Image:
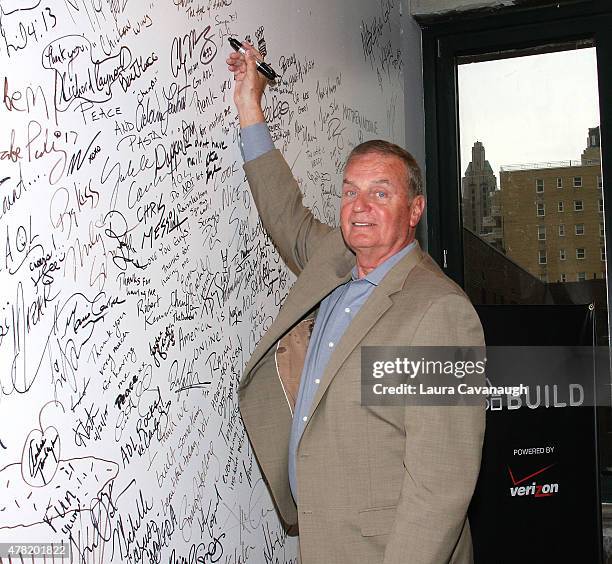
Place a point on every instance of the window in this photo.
(496, 48)
(602, 254)
(539, 185)
(599, 182)
(562, 254)
(559, 182)
(601, 230)
(580, 253)
(578, 205)
(579, 229)
(540, 209)
(541, 232)
(544, 278)
(542, 256)
(581, 276)
(560, 206)
(562, 277)
(561, 230)
(601, 205)
(577, 181)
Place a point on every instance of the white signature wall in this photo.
(135, 277)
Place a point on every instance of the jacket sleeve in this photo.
(291, 225)
(442, 452)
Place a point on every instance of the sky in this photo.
(529, 109)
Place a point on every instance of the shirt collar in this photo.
(376, 275)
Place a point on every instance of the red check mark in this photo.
(516, 482)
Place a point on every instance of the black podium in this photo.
(537, 497)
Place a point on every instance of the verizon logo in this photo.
(535, 490)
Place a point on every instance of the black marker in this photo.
(262, 67)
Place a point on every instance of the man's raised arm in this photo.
(291, 226)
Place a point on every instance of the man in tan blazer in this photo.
(364, 484)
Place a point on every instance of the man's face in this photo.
(376, 215)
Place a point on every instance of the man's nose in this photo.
(361, 202)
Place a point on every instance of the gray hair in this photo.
(378, 146)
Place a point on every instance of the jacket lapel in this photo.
(374, 308)
(314, 283)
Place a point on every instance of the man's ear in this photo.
(417, 207)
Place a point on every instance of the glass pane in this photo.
(531, 186)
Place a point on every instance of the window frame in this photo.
(506, 29)
(542, 256)
(542, 232)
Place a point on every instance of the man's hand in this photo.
(249, 87)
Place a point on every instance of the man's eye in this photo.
(349, 193)
(381, 194)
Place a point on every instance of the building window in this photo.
(559, 182)
(539, 185)
(577, 181)
(580, 253)
(542, 256)
(602, 254)
(600, 205)
(560, 206)
(540, 209)
(601, 229)
(579, 229)
(578, 205)
(562, 277)
(562, 254)
(561, 230)
(581, 276)
(599, 182)
(544, 278)
(541, 232)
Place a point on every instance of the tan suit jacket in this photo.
(375, 484)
